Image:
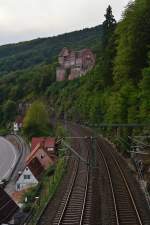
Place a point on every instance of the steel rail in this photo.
(85, 198)
(111, 185)
(126, 185)
(69, 194)
(129, 191)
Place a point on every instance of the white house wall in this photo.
(23, 183)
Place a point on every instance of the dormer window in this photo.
(42, 156)
(50, 149)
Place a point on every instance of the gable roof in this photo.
(47, 142)
(36, 168)
(32, 154)
(35, 141)
(7, 207)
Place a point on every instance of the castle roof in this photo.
(66, 51)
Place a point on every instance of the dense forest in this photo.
(115, 91)
(44, 50)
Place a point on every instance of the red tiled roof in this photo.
(36, 168)
(46, 142)
(17, 195)
(49, 143)
(7, 207)
(31, 156)
(35, 141)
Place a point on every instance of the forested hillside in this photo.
(117, 90)
(45, 50)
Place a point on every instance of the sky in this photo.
(22, 20)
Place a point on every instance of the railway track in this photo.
(124, 208)
(73, 205)
(97, 196)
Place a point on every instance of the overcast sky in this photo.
(28, 19)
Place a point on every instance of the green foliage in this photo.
(115, 91)
(133, 42)
(60, 131)
(3, 131)
(145, 95)
(45, 190)
(44, 50)
(108, 26)
(108, 47)
(9, 110)
(36, 122)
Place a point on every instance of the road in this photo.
(8, 158)
(23, 150)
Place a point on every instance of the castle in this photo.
(74, 64)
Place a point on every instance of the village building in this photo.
(74, 64)
(18, 124)
(44, 149)
(43, 154)
(48, 142)
(30, 176)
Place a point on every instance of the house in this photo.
(74, 64)
(43, 155)
(16, 127)
(7, 207)
(44, 149)
(30, 175)
(18, 124)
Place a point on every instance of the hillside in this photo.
(43, 50)
(115, 91)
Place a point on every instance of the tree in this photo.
(145, 95)
(133, 41)
(108, 26)
(108, 47)
(36, 122)
(9, 111)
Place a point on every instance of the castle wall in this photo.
(60, 74)
(75, 73)
(79, 63)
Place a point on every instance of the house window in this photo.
(42, 156)
(18, 186)
(26, 177)
(50, 149)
